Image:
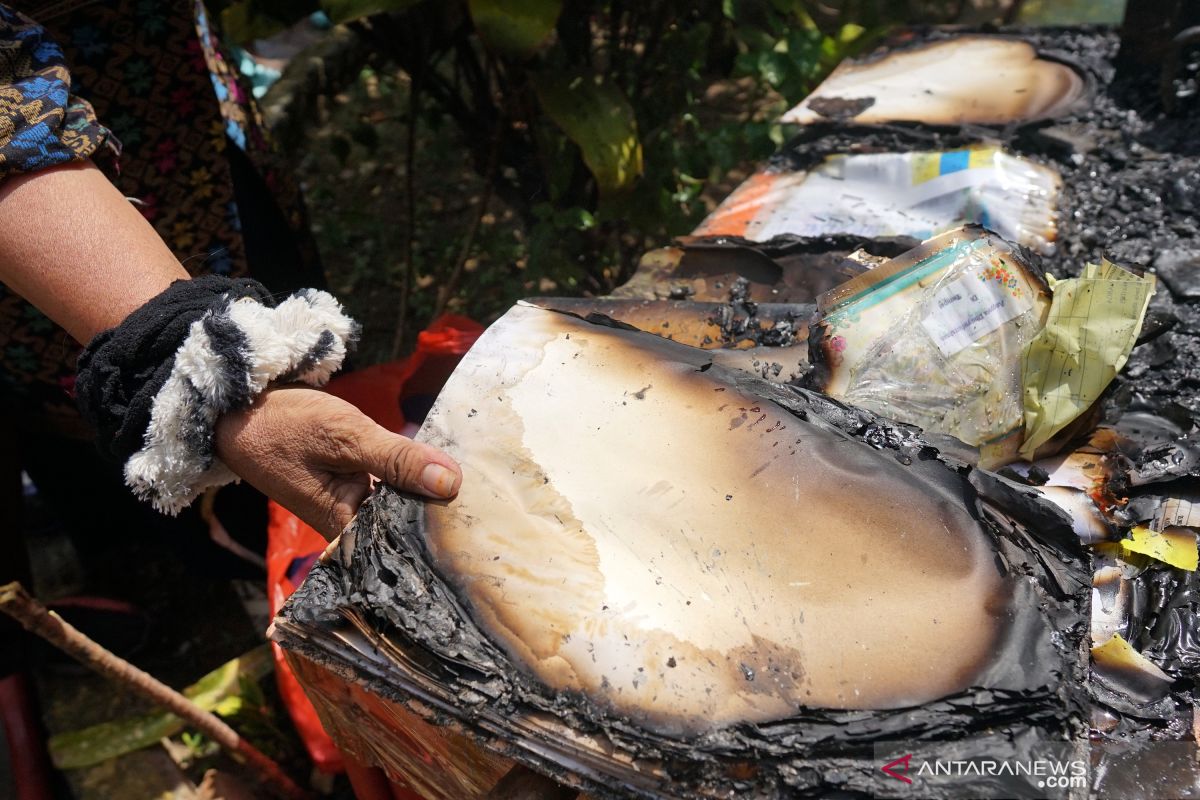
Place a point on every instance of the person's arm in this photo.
(73, 246)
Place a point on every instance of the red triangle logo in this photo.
(903, 774)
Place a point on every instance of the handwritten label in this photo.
(965, 310)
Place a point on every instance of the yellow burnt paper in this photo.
(1174, 546)
(1093, 323)
(1117, 653)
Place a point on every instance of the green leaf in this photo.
(574, 218)
(228, 707)
(340, 11)
(515, 28)
(850, 32)
(775, 68)
(88, 746)
(598, 118)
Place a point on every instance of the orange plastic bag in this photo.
(397, 395)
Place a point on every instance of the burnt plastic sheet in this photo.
(739, 323)
(766, 339)
(915, 193)
(1007, 80)
(492, 639)
(786, 269)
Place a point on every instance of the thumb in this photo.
(408, 465)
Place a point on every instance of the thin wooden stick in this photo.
(37, 619)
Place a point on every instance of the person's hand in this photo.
(315, 454)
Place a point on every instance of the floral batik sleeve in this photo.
(41, 123)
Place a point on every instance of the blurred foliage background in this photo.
(480, 151)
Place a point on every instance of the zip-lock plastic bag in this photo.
(936, 338)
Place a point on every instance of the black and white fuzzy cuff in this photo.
(229, 354)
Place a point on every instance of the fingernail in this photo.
(438, 480)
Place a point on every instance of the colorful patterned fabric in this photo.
(194, 158)
(41, 122)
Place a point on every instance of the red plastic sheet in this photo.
(292, 546)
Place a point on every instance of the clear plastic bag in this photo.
(936, 338)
